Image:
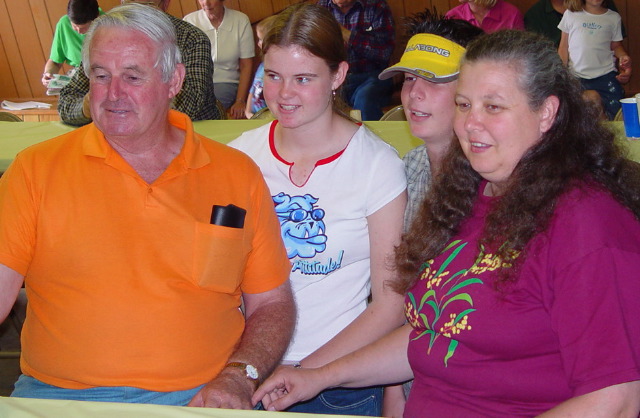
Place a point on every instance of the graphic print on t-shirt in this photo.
(301, 224)
(304, 233)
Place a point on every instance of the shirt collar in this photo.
(225, 27)
(192, 155)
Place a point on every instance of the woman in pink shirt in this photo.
(490, 15)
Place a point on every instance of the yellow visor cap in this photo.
(428, 56)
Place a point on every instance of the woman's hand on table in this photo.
(289, 385)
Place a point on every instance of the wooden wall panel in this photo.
(26, 31)
(45, 28)
(10, 42)
(186, 7)
(256, 10)
(7, 81)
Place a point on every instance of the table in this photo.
(30, 408)
(16, 136)
(37, 115)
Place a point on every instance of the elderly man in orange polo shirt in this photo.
(136, 239)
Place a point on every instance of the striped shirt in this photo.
(418, 172)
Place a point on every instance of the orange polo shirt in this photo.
(128, 283)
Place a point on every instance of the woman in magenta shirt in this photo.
(490, 15)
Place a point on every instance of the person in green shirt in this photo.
(69, 35)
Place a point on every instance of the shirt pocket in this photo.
(219, 257)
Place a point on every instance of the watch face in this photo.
(252, 372)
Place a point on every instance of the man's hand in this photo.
(270, 320)
(230, 390)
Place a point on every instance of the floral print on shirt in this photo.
(432, 314)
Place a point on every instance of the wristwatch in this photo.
(250, 371)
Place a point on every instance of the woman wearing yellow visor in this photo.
(429, 67)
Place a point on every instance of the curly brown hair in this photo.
(576, 149)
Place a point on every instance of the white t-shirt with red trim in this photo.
(324, 227)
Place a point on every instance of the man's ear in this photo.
(548, 112)
(175, 84)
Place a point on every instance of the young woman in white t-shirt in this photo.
(339, 192)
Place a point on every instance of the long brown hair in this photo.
(576, 149)
(313, 28)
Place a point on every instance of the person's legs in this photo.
(610, 91)
(340, 401)
(28, 387)
(368, 94)
(226, 93)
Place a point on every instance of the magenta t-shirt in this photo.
(570, 326)
(501, 16)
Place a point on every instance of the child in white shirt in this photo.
(591, 37)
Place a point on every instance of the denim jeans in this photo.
(340, 401)
(226, 93)
(363, 91)
(28, 387)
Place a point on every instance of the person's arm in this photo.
(10, 284)
(563, 49)
(247, 107)
(237, 109)
(73, 101)
(383, 362)
(624, 62)
(50, 68)
(385, 312)
(270, 320)
(622, 400)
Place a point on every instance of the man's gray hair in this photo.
(145, 19)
